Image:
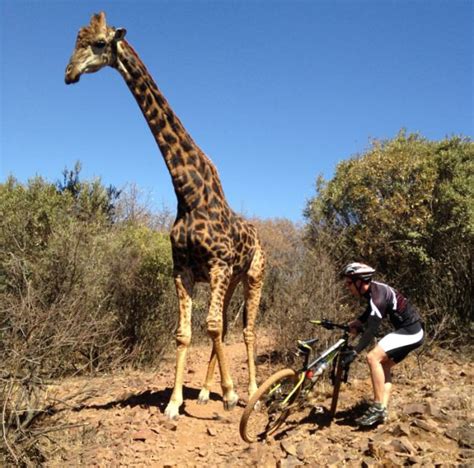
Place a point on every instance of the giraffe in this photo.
(210, 243)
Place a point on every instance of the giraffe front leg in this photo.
(184, 286)
(253, 284)
(220, 278)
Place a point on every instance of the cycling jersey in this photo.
(385, 301)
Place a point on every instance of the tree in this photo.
(91, 198)
(406, 207)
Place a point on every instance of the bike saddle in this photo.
(305, 345)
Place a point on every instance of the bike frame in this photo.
(328, 356)
(288, 389)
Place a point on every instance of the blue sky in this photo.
(275, 92)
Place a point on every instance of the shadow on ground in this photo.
(149, 399)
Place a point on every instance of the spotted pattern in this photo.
(210, 242)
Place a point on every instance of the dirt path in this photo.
(118, 420)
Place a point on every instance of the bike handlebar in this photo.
(329, 325)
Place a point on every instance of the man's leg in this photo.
(377, 359)
(381, 382)
(387, 368)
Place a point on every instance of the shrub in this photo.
(301, 283)
(80, 292)
(406, 207)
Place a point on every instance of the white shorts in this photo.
(398, 344)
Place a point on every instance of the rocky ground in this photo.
(117, 420)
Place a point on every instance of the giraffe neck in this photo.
(195, 178)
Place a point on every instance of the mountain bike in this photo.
(289, 390)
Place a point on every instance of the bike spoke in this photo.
(269, 407)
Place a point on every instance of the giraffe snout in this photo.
(71, 76)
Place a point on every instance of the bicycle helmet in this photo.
(356, 270)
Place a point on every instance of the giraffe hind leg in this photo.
(220, 280)
(206, 388)
(204, 394)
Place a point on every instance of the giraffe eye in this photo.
(99, 44)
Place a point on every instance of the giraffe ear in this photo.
(120, 34)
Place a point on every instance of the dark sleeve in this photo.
(363, 318)
(372, 326)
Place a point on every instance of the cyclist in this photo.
(382, 301)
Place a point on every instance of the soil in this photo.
(118, 420)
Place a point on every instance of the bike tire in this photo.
(263, 407)
(337, 387)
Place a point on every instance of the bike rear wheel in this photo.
(267, 409)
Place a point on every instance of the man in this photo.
(382, 301)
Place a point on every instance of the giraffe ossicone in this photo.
(210, 243)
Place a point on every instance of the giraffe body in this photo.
(210, 243)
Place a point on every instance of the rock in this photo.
(255, 451)
(424, 446)
(379, 433)
(352, 456)
(170, 425)
(428, 425)
(226, 420)
(143, 434)
(212, 432)
(392, 459)
(369, 463)
(375, 449)
(414, 408)
(288, 462)
(304, 450)
(154, 411)
(335, 459)
(361, 445)
(463, 435)
(415, 460)
(402, 445)
(401, 429)
(288, 447)
(466, 454)
(432, 409)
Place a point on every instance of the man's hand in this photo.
(355, 327)
(348, 356)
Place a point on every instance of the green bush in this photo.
(79, 291)
(301, 283)
(406, 207)
(142, 290)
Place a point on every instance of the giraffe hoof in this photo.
(229, 405)
(172, 411)
(203, 397)
(252, 390)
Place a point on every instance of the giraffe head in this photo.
(96, 47)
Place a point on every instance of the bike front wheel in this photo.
(269, 406)
(338, 370)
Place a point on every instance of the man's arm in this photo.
(372, 326)
(365, 315)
